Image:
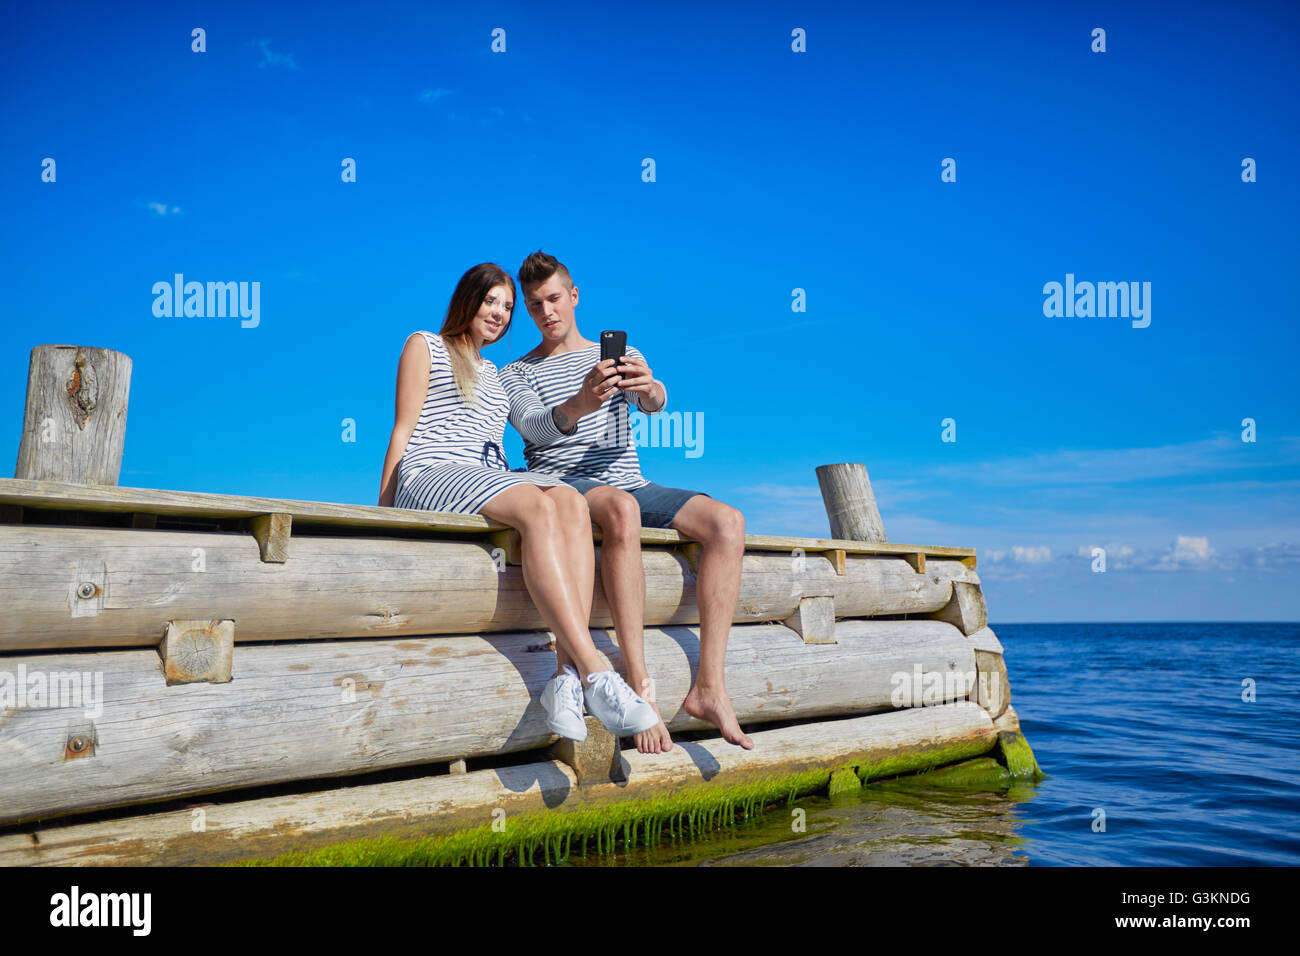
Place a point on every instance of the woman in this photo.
(445, 455)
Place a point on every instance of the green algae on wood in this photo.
(843, 780)
(918, 761)
(551, 836)
(1018, 756)
(980, 773)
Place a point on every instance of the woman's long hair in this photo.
(471, 290)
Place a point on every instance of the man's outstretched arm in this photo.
(532, 419)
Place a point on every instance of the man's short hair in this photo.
(539, 267)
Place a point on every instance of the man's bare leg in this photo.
(720, 530)
(623, 575)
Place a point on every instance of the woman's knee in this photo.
(569, 503)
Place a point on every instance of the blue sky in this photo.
(775, 170)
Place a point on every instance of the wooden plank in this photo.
(324, 709)
(75, 497)
(116, 587)
(917, 561)
(442, 804)
(271, 532)
(510, 544)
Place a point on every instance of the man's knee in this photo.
(618, 515)
(725, 525)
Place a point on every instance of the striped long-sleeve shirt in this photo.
(602, 447)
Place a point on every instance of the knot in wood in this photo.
(83, 389)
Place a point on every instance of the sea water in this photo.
(1164, 745)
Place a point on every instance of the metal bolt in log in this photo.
(80, 742)
(74, 422)
(850, 505)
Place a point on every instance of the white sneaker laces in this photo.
(616, 692)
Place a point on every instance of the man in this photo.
(566, 404)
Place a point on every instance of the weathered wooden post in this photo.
(74, 425)
(850, 505)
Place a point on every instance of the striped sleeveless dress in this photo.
(453, 460)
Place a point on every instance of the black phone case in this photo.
(612, 345)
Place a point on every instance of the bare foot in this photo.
(716, 709)
(656, 740)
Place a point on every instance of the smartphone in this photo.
(612, 345)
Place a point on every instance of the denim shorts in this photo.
(659, 505)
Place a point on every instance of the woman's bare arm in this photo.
(412, 389)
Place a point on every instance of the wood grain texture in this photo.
(441, 804)
(850, 503)
(62, 496)
(74, 421)
(117, 587)
(321, 709)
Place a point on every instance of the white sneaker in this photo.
(562, 701)
(617, 706)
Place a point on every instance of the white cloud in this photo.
(162, 209)
(430, 96)
(1031, 555)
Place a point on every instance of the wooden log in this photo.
(814, 620)
(966, 611)
(993, 689)
(443, 804)
(117, 587)
(74, 422)
(194, 651)
(322, 709)
(594, 760)
(873, 586)
(1008, 722)
(985, 640)
(850, 505)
